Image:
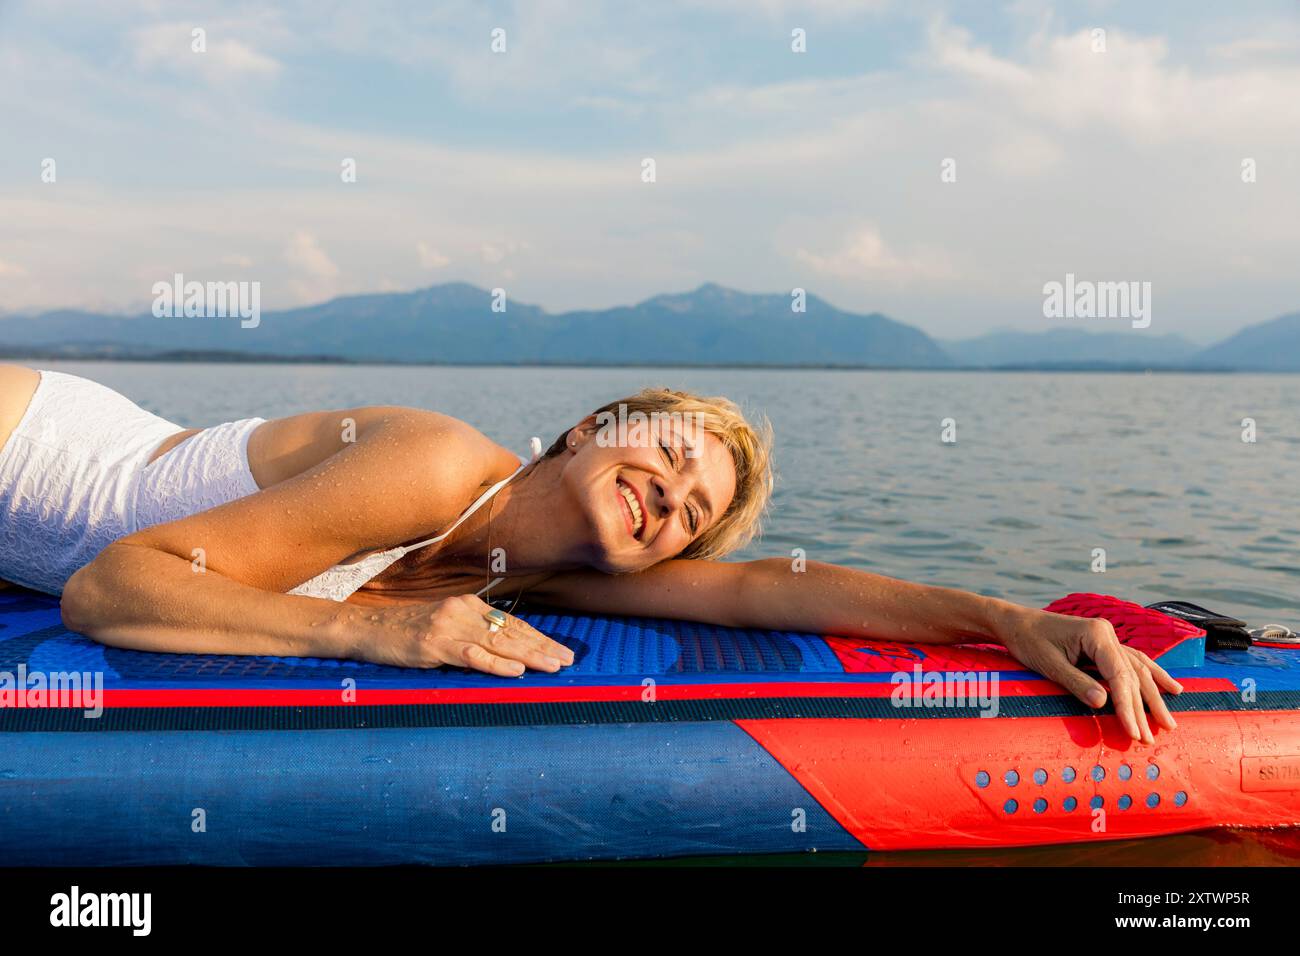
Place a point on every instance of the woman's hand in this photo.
(1053, 644)
(453, 631)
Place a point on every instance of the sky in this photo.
(774, 169)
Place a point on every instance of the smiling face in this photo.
(645, 501)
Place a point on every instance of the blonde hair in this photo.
(751, 453)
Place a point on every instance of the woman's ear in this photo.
(581, 433)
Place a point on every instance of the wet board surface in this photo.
(665, 738)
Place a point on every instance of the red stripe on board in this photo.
(318, 697)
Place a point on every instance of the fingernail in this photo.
(555, 662)
(1096, 698)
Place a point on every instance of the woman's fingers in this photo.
(480, 659)
(1139, 710)
(1101, 644)
(1059, 669)
(464, 623)
(1159, 674)
(1149, 673)
(1053, 644)
(1136, 683)
(537, 641)
(512, 642)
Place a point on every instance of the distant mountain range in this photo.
(1269, 346)
(1071, 345)
(454, 324)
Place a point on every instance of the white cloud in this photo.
(799, 8)
(864, 255)
(1131, 88)
(237, 57)
(1023, 152)
(495, 252)
(1283, 40)
(305, 255)
(431, 258)
(952, 48)
(169, 46)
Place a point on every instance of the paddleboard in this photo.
(664, 739)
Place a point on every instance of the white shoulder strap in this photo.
(534, 445)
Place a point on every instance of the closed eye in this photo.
(690, 516)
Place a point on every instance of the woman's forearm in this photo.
(828, 599)
(141, 598)
(145, 599)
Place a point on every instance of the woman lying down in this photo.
(373, 533)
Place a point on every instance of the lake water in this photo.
(1046, 467)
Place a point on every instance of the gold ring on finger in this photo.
(496, 619)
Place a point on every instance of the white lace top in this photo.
(70, 477)
(75, 476)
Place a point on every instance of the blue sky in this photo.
(774, 170)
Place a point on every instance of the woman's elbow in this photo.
(81, 605)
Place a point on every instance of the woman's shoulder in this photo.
(408, 440)
(456, 444)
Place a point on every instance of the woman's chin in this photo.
(609, 566)
(611, 562)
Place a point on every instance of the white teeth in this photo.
(638, 520)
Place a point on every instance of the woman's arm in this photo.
(213, 583)
(828, 599)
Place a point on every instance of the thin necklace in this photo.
(487, 571)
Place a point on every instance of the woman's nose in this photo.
(666, 497)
